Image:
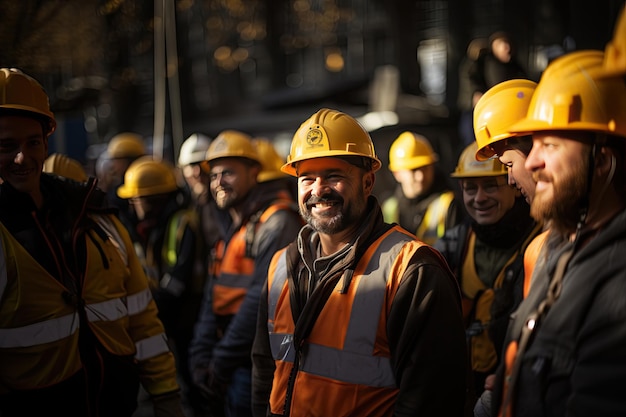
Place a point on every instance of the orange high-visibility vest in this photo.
(233, 266)
(345, 368)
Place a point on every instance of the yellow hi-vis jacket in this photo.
(345, 368)
(39, 325)
(433, 224)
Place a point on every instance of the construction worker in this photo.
(190, 163)
(358, 318)
(191, 156)
(79, 330)
(122, 150)
(566, 347)
(500, 108)
(168, 246)
(271, 164)
(64, 166)
(254, 223)
(486, 256)
(423, 202)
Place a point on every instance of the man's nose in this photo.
(319, 187)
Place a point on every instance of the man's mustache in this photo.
(326, 198)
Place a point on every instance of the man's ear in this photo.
(368, 182)
(605, 160)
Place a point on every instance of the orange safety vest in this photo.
(345, 368)
(39, 330)
(233, 265)
(531, 255)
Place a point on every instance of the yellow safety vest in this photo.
(39, 327)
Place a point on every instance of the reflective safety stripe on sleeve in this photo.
(151, 347)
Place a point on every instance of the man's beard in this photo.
(568, 199)
(231, 200)
(340, 221)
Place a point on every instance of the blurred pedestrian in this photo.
(191, 163)
(466, 99)
(254, 223)
(122, 150)
(167, 243)
(423, 202)
(78, 327)
(497, 65)
(358, 318)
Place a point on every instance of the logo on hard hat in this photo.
(314, 138)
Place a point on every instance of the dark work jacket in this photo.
(575, 364)
(224, 342)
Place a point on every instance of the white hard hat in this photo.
(193, 149)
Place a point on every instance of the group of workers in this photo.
(269, 287)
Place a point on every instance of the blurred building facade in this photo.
(263, 66)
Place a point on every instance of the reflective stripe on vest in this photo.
(39, 333)
(61, 327)
(354, 362)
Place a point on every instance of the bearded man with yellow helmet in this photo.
(253, 223)
(565, 350)
(357, 316)
(78, 326)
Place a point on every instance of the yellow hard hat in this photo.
(64, 166)
(126, 145)
(145, 177)
(193, 150)
(330, 133)
(410, 151)
(469, 167)
(271, 161)
(575, 94)
(615, 52)
(498, 109)
(19, 91)
(231, 144)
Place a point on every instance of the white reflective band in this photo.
(137, 303)
(174, 286)
(106, 311)
(151, 347)
(39, 333)
(3, 270)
